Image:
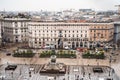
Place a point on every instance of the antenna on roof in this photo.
(118, 8)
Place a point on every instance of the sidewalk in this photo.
(36, 60)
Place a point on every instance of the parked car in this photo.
(8, 54)
(66, 47)
(31, 69)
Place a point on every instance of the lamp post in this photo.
(83, 68)
(110, 59)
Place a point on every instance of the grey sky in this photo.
(57, 5)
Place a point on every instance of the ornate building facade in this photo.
(15, 29)
(72, 35)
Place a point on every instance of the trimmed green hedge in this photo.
(94, 56)
(59, 54)
(27, 54)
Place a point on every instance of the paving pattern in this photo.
(74, 72)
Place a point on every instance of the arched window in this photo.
(85, 44)
(77, 44)
(81, 44)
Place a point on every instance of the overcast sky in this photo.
(57, 5)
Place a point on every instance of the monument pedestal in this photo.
(53, 68)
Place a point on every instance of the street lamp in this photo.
(83, 69)
(110, 60)
(20, 70)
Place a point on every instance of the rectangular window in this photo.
(77, 35)
(65, 35)
(16, 31)
(73, 35)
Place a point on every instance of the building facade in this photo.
(101, 33)
(15, 29)
(72, 35)
(59, 35)
(0, 33)
(116, 31)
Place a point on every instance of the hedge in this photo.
(28, 54)
(59, 54)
